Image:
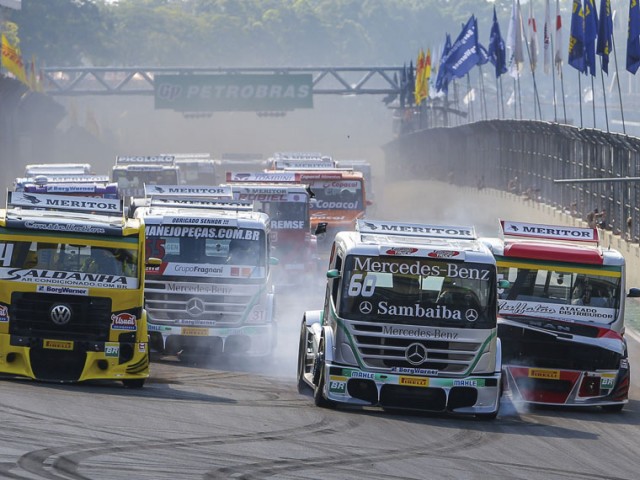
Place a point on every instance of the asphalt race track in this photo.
(247, 421)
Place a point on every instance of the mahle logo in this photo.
(169, 91)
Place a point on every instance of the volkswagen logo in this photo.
(60, 314)
(416, 354)
(195, 307)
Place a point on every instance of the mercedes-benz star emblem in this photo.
(365, 308)
(60, 314)
(471, 315)
(195, 307)
(416, 354)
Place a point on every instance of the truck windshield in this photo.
(207, 251)
(69, 264)
(337, 195)
(560, 292)
(287, 215)
(418, 291)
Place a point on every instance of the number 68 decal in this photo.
(358, 286)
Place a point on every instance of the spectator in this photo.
(592, 218)
(629, 227)
(514, 185)
(481, 183)
(601, 219)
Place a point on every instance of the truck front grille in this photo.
(380, 351)
(30, 315)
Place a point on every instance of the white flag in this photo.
(533, 38)
(514, 41)
(558, 54)
(547, 37)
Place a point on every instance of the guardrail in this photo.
(526, 158)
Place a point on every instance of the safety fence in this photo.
(526, 157)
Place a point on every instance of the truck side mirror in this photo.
(274, 261)
(634, 292)
(504, 284)
(321, 228)
(333, 274)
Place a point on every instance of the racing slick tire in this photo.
(133, 383)
(318, 392)
(303, 387)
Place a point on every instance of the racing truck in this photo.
(81, 185)
(409, 322)
(71, 290)
(293, 244)
(339, 197)
(132, 173)
(561, 317)
(212, 292)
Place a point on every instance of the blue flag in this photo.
(605, 34)
(464, 55)
(590, 34)
(497, 52)
(633, 41)
(443, 78)
(576, 40)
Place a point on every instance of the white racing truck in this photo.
(409, 322)
(211, 293)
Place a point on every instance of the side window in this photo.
(335, 282)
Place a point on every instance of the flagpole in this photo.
(593, 102)
(604, 96)
(484, 97)
(564, 103)
(615, 60)
(501, 99)
(515, 98)
(580, 98)
(553, 81)
(468, 96)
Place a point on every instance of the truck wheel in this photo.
(613, 408)
(302, 361)
(318, 393)
(133, 383)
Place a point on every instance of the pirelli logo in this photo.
(195, 332)
(544, 374)
(414, 381)
(57, 344)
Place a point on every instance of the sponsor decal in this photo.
(261, 177)
(201, 232)
(4, 313)
(62, 290)
(549, 231)
(112, 349)
(57, 344)
(416, 310)
(64, 227)
(414, 381)
(241, 272)
(325, 205)
(544, 374)
(194, 331)
(401, 251)
(443, 254)
(57, 277)
(188, 190)
(337, 384)
(287, 224)
(142, 347)
(160, 159)
(415, 371)
(123, 321)
(206, 288)
(465, 383)
(560, 312)
(102, 205)
(368, 226)
(358, 374)
(607, 381)
(70, 188)
(450, 270)
(415, 332)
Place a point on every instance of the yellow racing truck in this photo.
(71, 290)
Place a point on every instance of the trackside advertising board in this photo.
(229, 93)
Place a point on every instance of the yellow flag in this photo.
(419, 75)
(12, 60)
